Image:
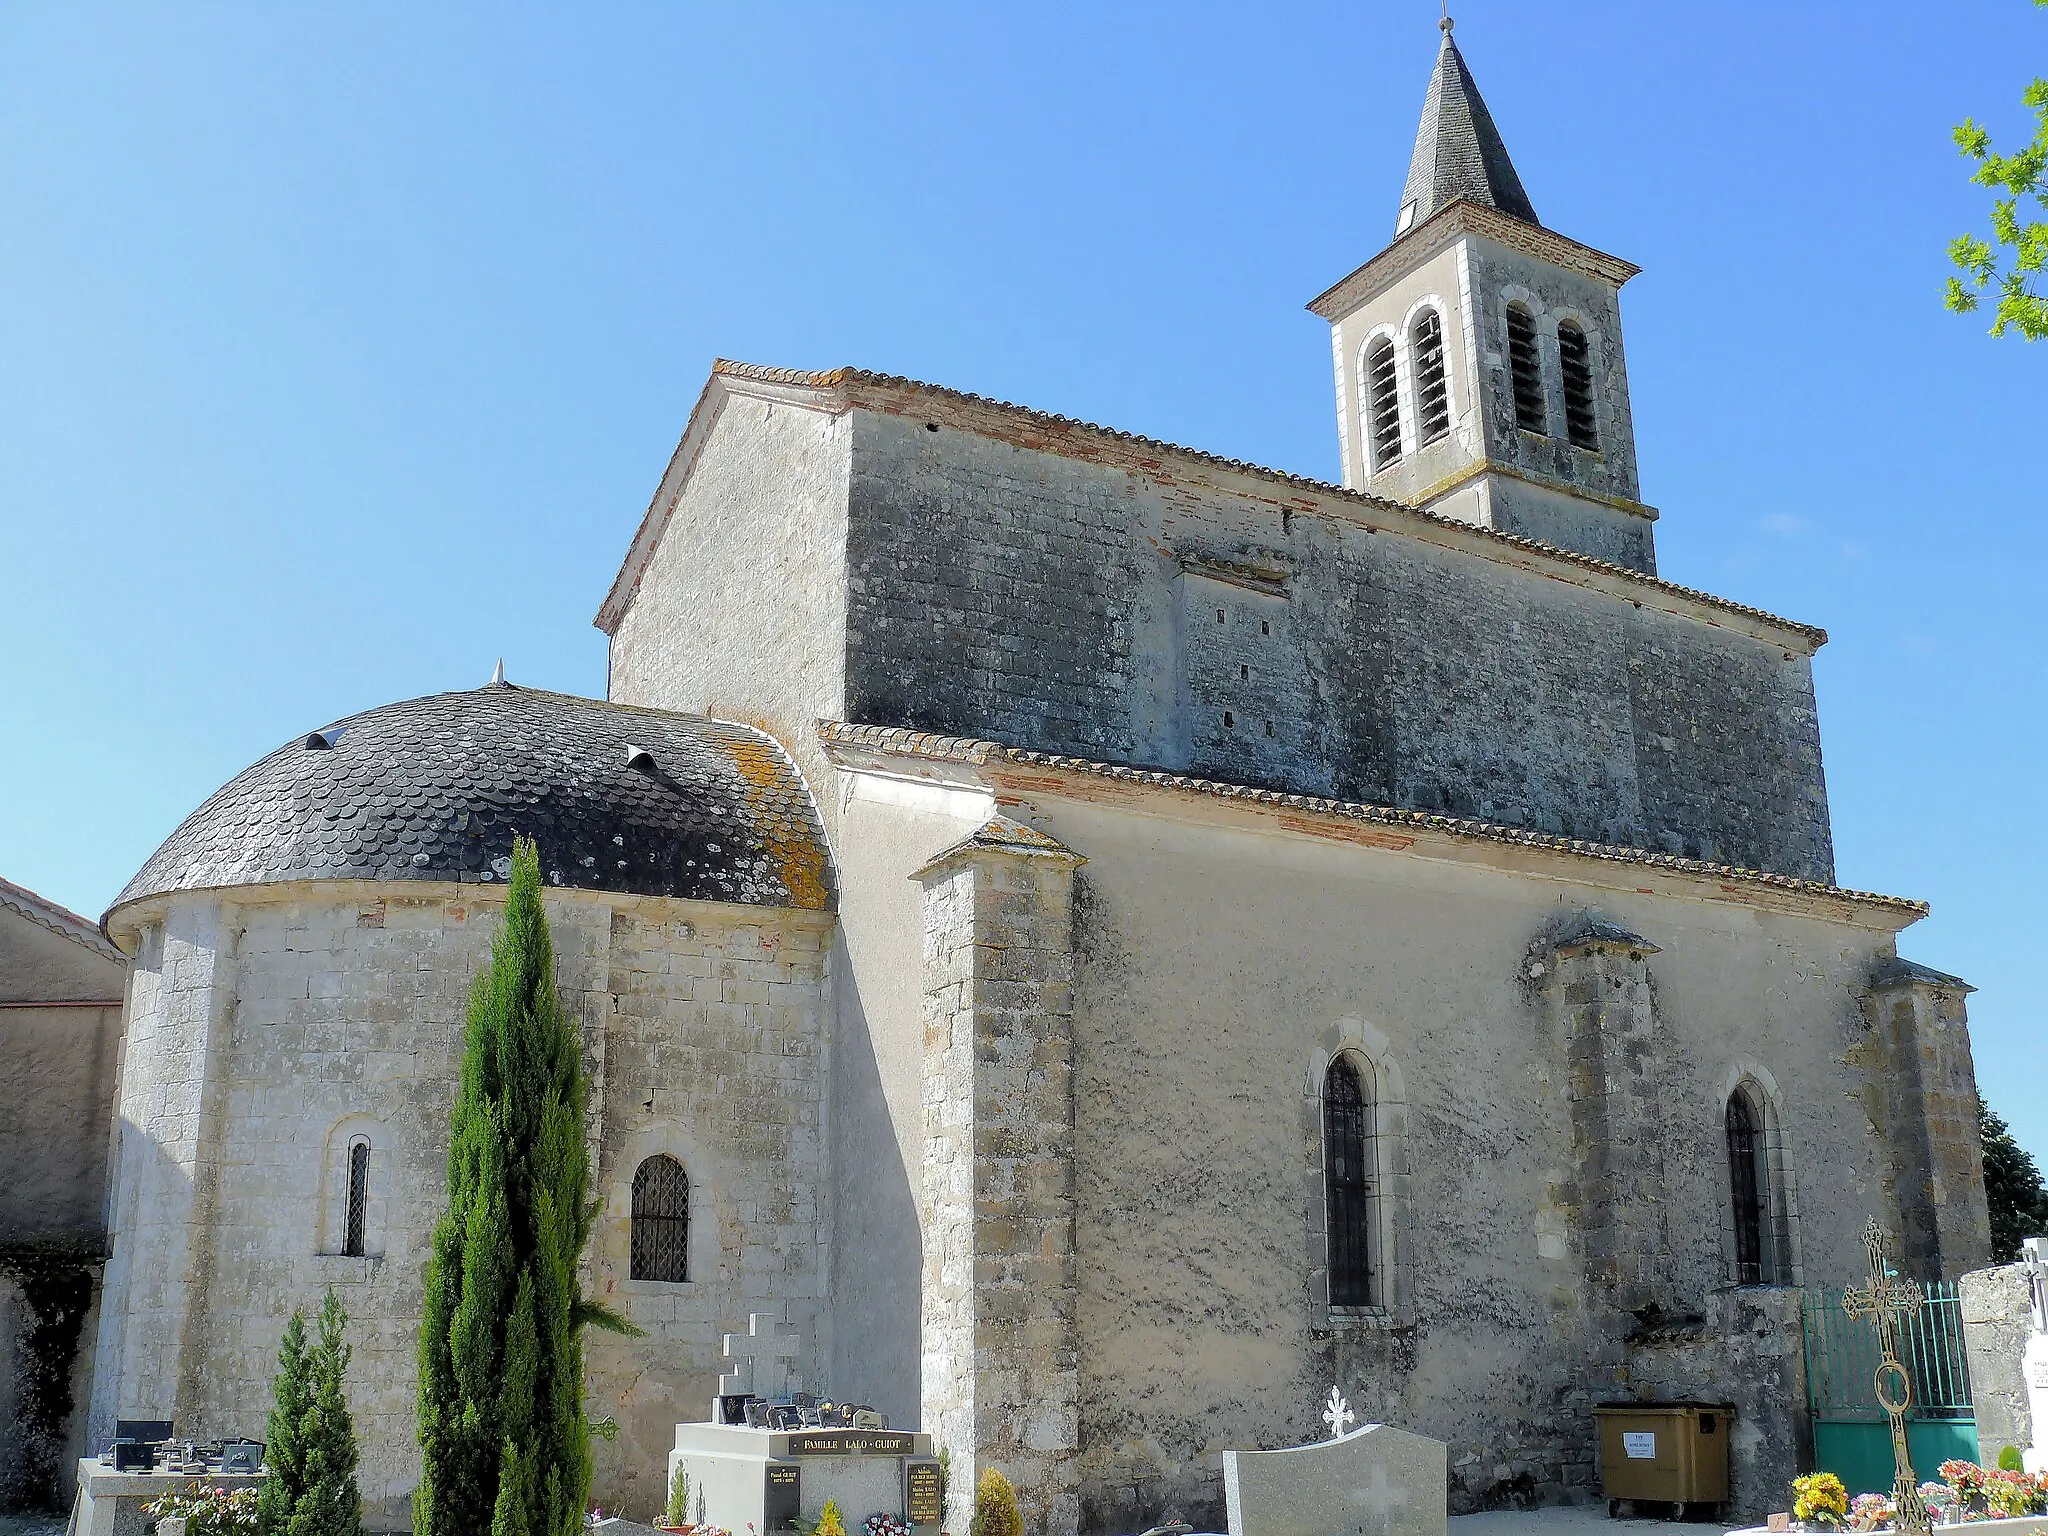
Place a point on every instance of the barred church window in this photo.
(1759, 1240)
(1432, 392)
(661, 1220)
(1575, 360)
(1525, 371)
(1383, 409)
(1350, 1185)
(358, 1209)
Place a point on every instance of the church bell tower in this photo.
(1478, 357)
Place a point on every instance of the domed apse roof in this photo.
(437, 788)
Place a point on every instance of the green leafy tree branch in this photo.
(2022, 304)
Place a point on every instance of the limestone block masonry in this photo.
(1001, 1375)
(271, 1029)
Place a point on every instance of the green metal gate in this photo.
(1851, 1436)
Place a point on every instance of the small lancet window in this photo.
(357, 1216)
(1432, 391)
(1383, 403)
(661, 1220)
(1575, 362)
(1525, 371)
(1759, 1243)
(1351, 1188)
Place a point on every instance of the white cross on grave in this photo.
(758, 1361)
(1337, 1414)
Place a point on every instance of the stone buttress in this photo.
(1001, 1377)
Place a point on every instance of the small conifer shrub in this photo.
(830, 1521)
(995, 1507)
(678, 1510)
(311, 1453)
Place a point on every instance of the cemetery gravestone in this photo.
(1375, 1481)
(765, 1478)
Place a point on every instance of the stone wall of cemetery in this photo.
(1222, 963)
(272, 1026)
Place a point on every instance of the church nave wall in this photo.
(1220, 970)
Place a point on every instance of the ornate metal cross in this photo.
(1337, 1414)
(1886, 1302)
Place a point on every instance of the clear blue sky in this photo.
(341, 347)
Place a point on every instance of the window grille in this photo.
(661, 1220)
(1348, 1177)
(358, 1200)
(1748, 1186)
(1575, 361)
(1432, 392)
(1525, 371)
(1383, 412)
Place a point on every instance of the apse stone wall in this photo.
(269, 1031)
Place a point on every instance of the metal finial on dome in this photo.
(1446, 24)
(498, 672)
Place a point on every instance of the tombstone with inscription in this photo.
(769, 1479)
(773, 1454)
(1374, 1480)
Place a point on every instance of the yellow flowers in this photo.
(1820, 1498)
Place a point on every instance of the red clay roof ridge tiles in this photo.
(839, 378)
(894, 741)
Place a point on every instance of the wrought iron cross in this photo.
(1886, 1302)
(1337, 1414)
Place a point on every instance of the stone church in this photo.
(1094, 941)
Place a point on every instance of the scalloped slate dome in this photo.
(436, 789)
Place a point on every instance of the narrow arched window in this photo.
(1749, 1184)
(1525, 371)
(1350, 1185)
(1575, 362)
(1432, 391)
(1383, 403)
(357, 1211)
(661, 1220)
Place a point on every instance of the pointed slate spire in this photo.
(1458, 151)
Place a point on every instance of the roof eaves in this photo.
(1463, 216)
(895, 742)
(62, 921)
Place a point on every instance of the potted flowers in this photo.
(1819, 1501)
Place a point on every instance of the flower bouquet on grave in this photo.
(1819, 1501)
(885, 1525)
(1872, 1512)
(208, 1511)
(1966, 1485)
(1940, 1500)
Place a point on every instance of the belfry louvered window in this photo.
(1350, 1184)
(1525, 370)
(1383, 403)
(357, 1212)
(661, 1220)
(1749, 1184)
(1575, 362)
(1432, 391)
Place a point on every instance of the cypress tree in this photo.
(330, 1503)
(282, 1453)
(504, 1445)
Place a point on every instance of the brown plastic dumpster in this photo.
(1670, 1453)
